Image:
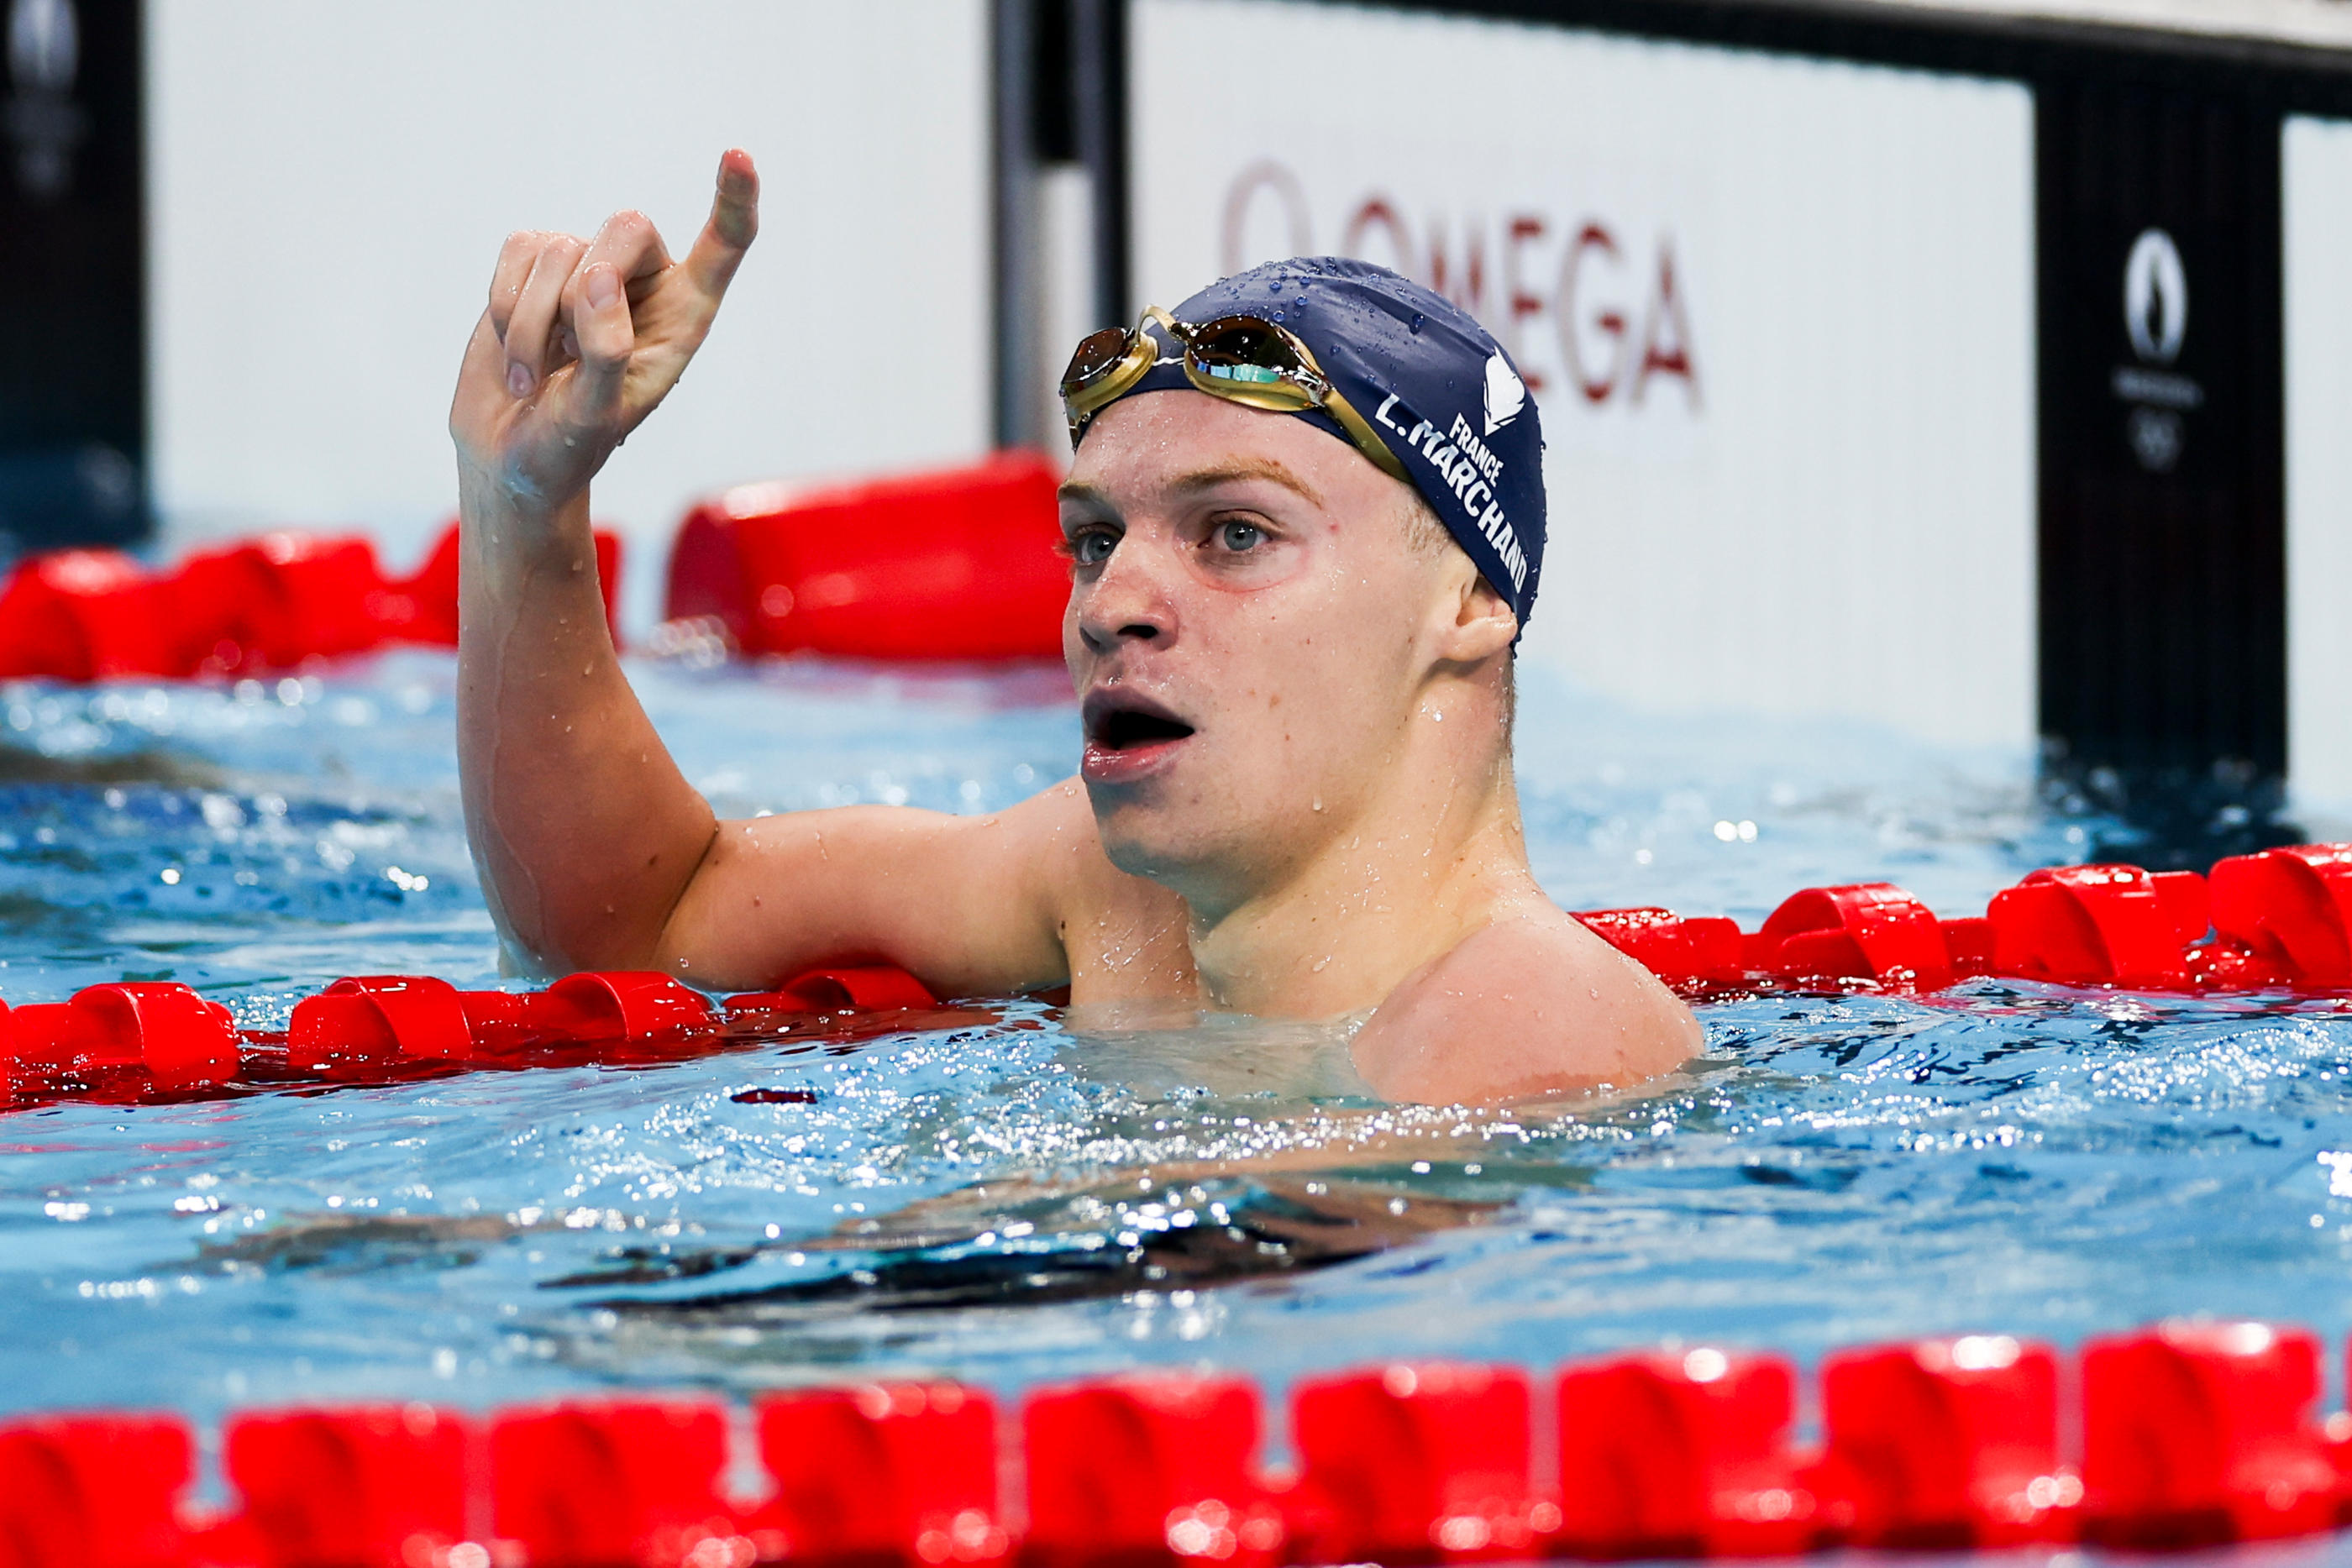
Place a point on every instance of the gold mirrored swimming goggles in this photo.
(1242, 359)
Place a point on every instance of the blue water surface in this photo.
(952, 1199)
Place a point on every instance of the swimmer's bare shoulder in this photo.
(1532, 1004)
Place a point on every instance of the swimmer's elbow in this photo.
(627, 928)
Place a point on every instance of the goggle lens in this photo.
(1242, 349)
(1096, 353)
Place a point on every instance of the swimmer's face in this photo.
(1250, 629)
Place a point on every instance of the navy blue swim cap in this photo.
(1434, 384)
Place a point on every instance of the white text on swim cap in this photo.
(1468, 469)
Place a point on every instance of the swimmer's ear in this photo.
(1481, 624)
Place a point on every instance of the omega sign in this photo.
(2155, 320)
(1578, 299)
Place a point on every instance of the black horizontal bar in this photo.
(2293, 78)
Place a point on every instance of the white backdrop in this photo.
(1781, 311)
(329, 185)
(2317, 177)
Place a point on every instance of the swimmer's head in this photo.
(1415, 377)
(1280, 647)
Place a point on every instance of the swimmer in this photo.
(1305, 521)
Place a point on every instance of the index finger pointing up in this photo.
(734, 220)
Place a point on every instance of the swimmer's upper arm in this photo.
(968, 904)
(1525, 1007)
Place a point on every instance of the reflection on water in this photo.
(1027, 1196)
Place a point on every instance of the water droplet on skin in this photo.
(1318, 802)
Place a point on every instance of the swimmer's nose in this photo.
(1125, 602)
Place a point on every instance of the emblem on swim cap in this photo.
(1504, 393)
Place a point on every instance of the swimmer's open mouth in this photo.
(1129, 739)
(1130, 723)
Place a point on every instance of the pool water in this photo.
(1009, 1198)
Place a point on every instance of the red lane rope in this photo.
(275, 602)
(2277, 921)
(2185, 1435)
(141, 1041)
(957, 563)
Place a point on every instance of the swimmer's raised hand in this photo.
(583, 339)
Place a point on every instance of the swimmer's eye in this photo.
(1240, 537)
(1090, 546)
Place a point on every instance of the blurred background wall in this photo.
(2317, 180)
(1777, 315)
(328, 186)
(1977, 367)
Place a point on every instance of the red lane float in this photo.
(855, 987)
(362, 1484)
(2291, 910)
(1872, 931)
(1682, 1454)
(627, 1482)
(165, 1031)
(85, 615)
(100, 1492)
(1416, 1463)
(883, 1474)
(1689, 954)
(2182, 1435)
(270, 604)
(2200, 1433)
(360, 1023)
(1148, 1469)
(961, 564)
(626, 1008)
(2099, 925)
(1945, 1445)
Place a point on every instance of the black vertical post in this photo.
(1013, 51)
(73, 419)
(1099, 64)
(2163, 590)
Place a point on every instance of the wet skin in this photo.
(1295, 795)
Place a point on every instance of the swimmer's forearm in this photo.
(585, 832)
